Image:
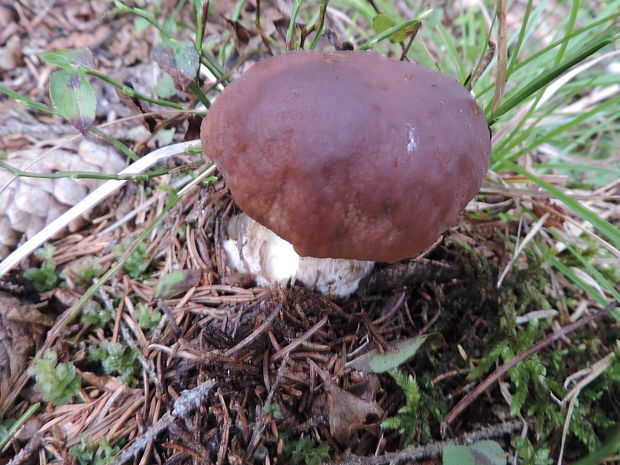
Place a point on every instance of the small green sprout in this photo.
(87, 270)
(86, 453)
(43, 278)
(273, 410)
(146, 318)
(413, 419)
(115, 358)
(137, 263)
(93, 314)
(57, 382)
(306, 451)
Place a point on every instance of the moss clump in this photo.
(482, 320)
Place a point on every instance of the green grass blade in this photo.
(569, 29)
(26, 101)
(546, 77)
(566, 271)
(559, 131)
(592, 271)
(610, 231)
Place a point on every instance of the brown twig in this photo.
(24, 455)
(254, 334)
(262, 420)
(293, 345)
(222, 452)
(500, 371)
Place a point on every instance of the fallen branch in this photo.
(189, 401)
(413, 454)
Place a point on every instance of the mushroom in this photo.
(343, 155)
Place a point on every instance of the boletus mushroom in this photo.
(343, 155)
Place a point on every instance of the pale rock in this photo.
(69, 191)
(32, 200)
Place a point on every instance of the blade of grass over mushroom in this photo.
(386, 34)
(74, 98)
(291, 25)
(502, 50)
(319, 30)
(608, 229)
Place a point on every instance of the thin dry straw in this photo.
(91, 200)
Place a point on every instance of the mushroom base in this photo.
(254, 249)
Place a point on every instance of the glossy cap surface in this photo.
(349, 154)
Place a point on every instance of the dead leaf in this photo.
(240, 34)
(349, 414)
(20, 329)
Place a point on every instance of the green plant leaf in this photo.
(375, 362)
(70, 58)
(165, 86)
(146, 318)
(406, 28)
(57, 382)
(383, 22)
(74, 98)
(479, 453)
(179, 59)
(177, 282)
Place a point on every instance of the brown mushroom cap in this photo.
(349, 154)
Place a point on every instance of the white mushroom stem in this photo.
(254, 249)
